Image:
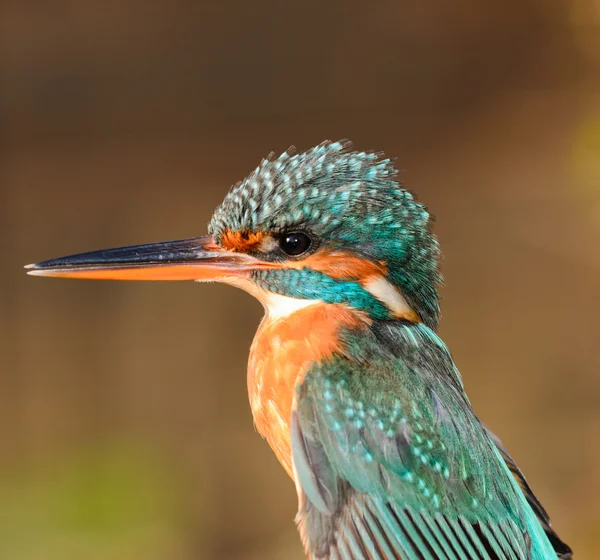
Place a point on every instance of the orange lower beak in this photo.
(189, 259)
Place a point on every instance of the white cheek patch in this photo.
(390, 296)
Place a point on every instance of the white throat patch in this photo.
(278, 306)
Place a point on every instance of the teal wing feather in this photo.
(391, 462)
(562, 550)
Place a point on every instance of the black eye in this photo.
(294, 244)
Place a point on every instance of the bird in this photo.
(349, 382)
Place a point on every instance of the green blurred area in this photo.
(125, 430)
(103, 502)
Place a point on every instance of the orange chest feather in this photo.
(282, 352)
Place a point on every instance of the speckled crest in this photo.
(316, 187)
(347, 199)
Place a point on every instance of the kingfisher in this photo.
(348, 382)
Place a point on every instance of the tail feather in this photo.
(562, 549)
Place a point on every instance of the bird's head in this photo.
(330, 224)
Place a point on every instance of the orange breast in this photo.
(282, 351)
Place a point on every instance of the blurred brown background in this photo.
(124, 425)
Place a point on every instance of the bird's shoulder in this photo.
(394, 402)
(391, 461)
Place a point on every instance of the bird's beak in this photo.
(199, 258)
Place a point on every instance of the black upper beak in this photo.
(198, 258)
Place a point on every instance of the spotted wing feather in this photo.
(392, 463)
(563, 550)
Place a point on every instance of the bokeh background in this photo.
(125, 431)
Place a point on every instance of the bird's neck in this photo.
(284, 348)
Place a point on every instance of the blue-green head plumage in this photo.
(342, 200)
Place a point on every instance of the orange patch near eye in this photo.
(338, 264)
(242, 241)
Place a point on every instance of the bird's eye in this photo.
(294, 244)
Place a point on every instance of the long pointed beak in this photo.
(188, 259)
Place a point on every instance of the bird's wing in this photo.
(391, 462)
(562, 549)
